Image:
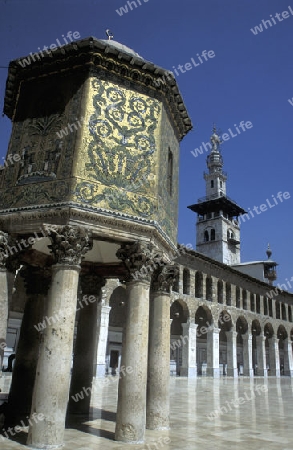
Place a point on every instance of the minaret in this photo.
(270, 266)
(217, 228)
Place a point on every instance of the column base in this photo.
(248, 373)
(262, 372)
(100, 370)
(190, 372)
(232, 372)
(213, 372)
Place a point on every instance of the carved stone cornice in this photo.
(140, 259)
(91, 283)
(163, 278)
(94, 57)
(69, 244)
(35, 216)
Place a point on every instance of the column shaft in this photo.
(288, 358)
(232, 370)
(82, 371)
(261, 356)
(3, 313)
(102, 339)
(188, 368)
(213, 369)
(53, 371)
(131, 408)
(247, 355)
(274, 357)
(157, 415)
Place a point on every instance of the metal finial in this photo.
(109, 34)
(269, 251)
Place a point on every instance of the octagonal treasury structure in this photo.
(95, 140)
(89, 191)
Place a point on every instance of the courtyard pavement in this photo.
(206, 414)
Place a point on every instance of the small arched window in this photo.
(212, 183)
(213, 234)
(206, 236)
(230, 234)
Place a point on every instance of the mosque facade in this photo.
(92, 280)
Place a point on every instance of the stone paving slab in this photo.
(261, 421)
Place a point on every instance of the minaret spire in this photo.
(270, 266)
(216, 178)
(217, 228)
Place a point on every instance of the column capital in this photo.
(140, 259)
(163, 278)
(233, 333)
(4, 241)
(189, 325)
(274, 339)
(69, 244)
(214, 330)
(91, 283)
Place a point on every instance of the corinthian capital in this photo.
(69, 244)
(140, 259)
(4, 241)
(164, 277)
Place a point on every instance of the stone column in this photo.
(33, 324)
(85, 344)
(288, 358)
(213, 369)
(232, 370)
(3, 295)
(247, 355)
(261, 355)
(224, 294)
(274, 356)
(261, 299)
(188, 368)
(204, 277)
(51, 388)
(233, 295)
(158, 408)
(131, 408)
(102, 339)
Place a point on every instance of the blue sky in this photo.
(249, 79)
